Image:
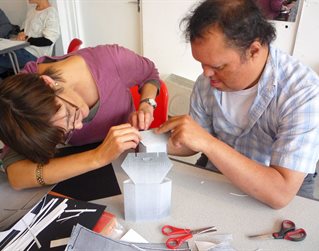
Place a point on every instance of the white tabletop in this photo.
(7, 45)
(201, 198)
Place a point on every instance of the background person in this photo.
(41, 29)
(271, 8)
(79, 98)
(6, 28)
(254, 111)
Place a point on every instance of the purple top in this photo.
(114, 69)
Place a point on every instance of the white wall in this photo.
(164, 43)
(98, 22)
(16, 10)
(108, 22)
(163, 40)
(68, 25)
(307, 38)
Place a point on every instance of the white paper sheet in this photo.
(152, 142)
(133, 236)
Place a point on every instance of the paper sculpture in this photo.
(152, 142)
(147, 194)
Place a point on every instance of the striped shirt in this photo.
(283, 121)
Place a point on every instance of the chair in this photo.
(74, 45)
(160, 113)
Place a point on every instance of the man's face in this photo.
(226, 67)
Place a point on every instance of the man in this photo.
(254, 111)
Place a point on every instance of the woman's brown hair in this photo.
(27, 105)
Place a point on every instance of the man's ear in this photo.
(254, 49)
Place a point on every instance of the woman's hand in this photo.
(21, 36)
(119, 139)
(142, 118)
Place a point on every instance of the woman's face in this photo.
(69, 117)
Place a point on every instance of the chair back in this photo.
(160, 113)
(74, 45)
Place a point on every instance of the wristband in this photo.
(149, 101)
(39, 175)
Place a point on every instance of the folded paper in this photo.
(147, 168)
(84, 239)
(152, 142)
(147, 194)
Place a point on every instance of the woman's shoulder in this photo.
(48, 12)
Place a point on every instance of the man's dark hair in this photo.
(27, 106)
(240, 20)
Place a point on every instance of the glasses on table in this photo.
(69, 134)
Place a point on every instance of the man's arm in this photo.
(275, 186)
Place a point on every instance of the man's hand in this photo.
(185, 132)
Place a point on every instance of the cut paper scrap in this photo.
(133, 236)
(239, 195)
(222, 242)
(204, 245)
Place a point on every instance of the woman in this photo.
(41, 29)
(79, 98)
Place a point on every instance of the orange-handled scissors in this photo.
(185, 234)
(287, 231)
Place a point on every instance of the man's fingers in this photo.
(169, 125)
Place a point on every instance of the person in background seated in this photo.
(6, 28)
(271, 8)
(76, 99)
(41, 29)
(254, 111)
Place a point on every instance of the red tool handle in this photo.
(176, 242)
(170, 230)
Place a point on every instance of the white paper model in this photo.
(152, 142)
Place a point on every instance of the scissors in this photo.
(185, 234)
(287, 231)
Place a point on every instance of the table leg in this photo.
(14, 62)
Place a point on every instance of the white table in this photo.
(9, 46)
(202, 198)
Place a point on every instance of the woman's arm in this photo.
(143, 117)
(23, 174)
(137, 70)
